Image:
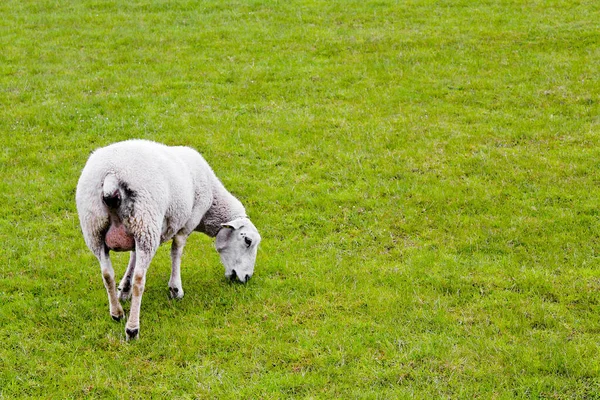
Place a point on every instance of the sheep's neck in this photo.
(225, 208)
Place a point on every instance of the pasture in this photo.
(424, 175)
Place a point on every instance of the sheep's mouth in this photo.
(234, 277)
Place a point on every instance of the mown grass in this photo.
(424, 176)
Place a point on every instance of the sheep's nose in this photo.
(233, 275)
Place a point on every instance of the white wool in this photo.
(173, 187)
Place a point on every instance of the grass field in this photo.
(424, 174)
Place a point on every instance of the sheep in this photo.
(134, 195)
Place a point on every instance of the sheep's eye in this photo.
(248, 241)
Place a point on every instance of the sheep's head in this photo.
(237, 243)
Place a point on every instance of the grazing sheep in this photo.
(135, 195)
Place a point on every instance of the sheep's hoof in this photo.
(132, 334)
(175, 293)
(117, 313)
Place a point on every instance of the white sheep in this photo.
(137, 194)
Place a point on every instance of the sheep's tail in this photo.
(111, 192)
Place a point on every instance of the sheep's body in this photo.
(136, 194)
(175, 185)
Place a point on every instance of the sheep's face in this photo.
(237, 243)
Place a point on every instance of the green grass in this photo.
(424, 175)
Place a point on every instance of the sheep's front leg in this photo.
(175, 288)
(124, 292)
(142, 262)
(108, 275)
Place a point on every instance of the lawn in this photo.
(424, 174)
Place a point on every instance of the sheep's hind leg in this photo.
(108, 275)
(142, 262)
(124, 292)
(175, 288)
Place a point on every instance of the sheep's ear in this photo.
(235, 224)
(222, 238)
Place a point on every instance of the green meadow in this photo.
(424, 175)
